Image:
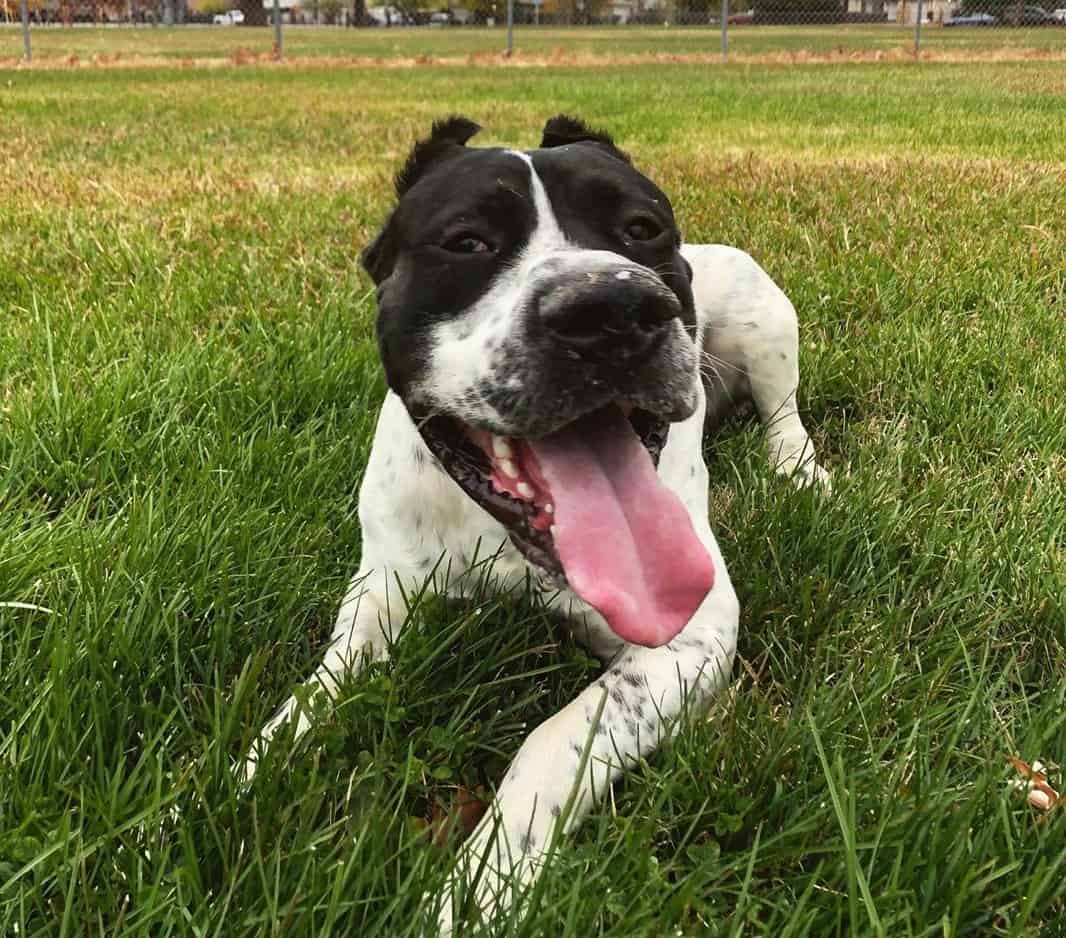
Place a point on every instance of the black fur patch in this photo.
(379, 255)
(446, 134)
(563, 129)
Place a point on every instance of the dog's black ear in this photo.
(446, 134)
(379, 256)
(563, 129)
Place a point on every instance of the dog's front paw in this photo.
(462, 900)
(489, 884)
(245, 771)
(813, 474)
(487, 903)
(805, 473)
(445, 919)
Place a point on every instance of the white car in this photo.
(232, 18)
(386, 16)
(1059, 16)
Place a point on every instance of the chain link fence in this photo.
(604, 27)
(973, 14)
(954, 13)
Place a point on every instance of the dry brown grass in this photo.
(558, 57)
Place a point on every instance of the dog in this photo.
(554, 354)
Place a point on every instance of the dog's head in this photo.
(535, 315)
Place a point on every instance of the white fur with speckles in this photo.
(412, 514)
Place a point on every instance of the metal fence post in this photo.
(27, 51)
(918, 30)
(510, 27)
(725, 29)
(277, 30)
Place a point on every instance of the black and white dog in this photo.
(553, 353)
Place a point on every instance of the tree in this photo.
(254, 12)
(407, 7)
(483, 9)
(574, 11)
(11, 10)
(698, 11)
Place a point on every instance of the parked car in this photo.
(1031, 16)
(972, 19)
(742, 19)
(1059, 16)
(230, 18)
(387, 16)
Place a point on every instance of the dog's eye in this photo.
(467, 243)
(643, 229)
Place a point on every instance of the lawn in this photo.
(54, 44)
(188, 386)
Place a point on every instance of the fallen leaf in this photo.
(458, 816)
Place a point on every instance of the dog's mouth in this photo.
(586, 506)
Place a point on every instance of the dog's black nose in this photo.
(606, 318)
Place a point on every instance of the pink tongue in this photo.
(626, 543)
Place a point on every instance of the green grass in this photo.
(188, 385)
(205, 42)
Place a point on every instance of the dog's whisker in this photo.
(710, 360)
(423, 421)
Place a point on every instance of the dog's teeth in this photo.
(501, 449)
(549, 509)
(525, 489)
(509, 469)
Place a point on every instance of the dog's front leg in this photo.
(369, 618)
(567, 763)
(399, 552)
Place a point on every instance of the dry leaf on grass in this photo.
(1034, 783)
(454, 813)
